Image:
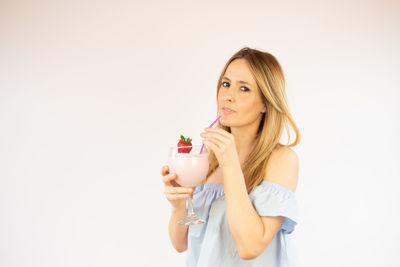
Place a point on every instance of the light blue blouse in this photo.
(211, 244)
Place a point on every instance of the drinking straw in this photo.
(210, 126)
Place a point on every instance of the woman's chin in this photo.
(225, 122)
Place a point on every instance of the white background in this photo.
(92, 93)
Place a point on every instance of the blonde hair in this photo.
(270, 81)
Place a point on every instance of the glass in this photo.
(191, 169)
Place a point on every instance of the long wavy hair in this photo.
(270, 81)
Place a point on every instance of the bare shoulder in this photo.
(283, 168)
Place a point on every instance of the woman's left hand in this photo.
(222, 144)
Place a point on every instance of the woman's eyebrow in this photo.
(242, 82)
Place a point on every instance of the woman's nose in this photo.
(228, 95)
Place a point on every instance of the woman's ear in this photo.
(264, 109)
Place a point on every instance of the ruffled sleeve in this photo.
(272, 199)
(205, 194)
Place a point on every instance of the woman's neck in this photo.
(244, 140)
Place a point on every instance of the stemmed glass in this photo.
(191, 169)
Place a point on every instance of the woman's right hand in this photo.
(174, 193)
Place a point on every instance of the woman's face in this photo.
(239, 92)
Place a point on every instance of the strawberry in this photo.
(184, 145)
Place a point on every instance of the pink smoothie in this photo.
(191, 169)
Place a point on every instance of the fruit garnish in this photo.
(184, 145)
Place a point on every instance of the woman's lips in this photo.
(227, 110)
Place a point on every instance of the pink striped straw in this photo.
(210, 126)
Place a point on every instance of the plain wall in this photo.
(92, 93)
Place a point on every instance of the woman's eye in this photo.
(226, 84)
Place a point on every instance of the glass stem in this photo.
(191, 213)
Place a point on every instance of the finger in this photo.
(211, 146)
(176, 197)
(218, 137)
(165, 170)
(175, 184)
(217, 144)
(218, 131)
(177, 190)
(169, 177)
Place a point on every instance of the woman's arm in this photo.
(252, 233)
(178, 233)
(177, 196)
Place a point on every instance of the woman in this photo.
(248, 196)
